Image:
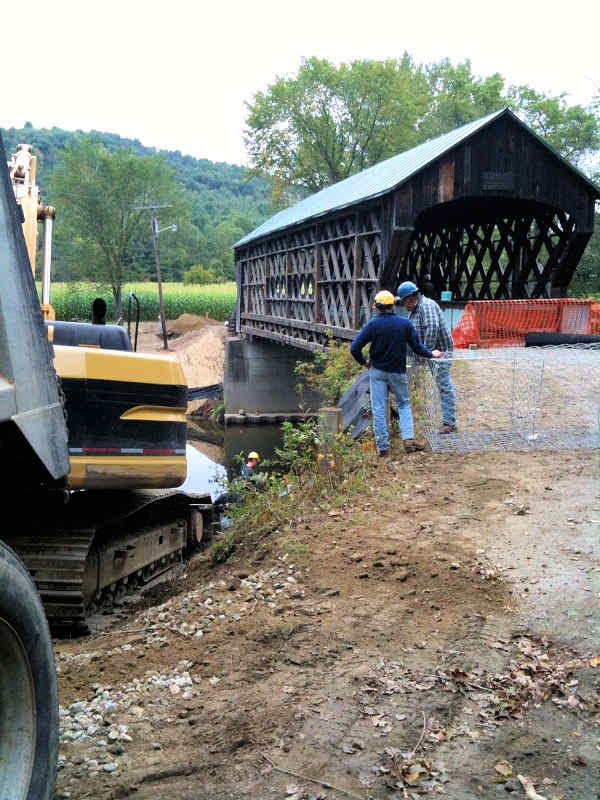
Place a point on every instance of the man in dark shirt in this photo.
(388, 335)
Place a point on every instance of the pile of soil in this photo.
(198, 346)
(190, 322)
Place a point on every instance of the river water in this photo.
(211, 453)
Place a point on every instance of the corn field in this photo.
(73, 301)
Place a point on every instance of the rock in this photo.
(363, 575)
(111, 767)
(356, 557)
(401, 575)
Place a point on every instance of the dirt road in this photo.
(440, 636)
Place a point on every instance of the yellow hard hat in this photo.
(384, 298)
(253, 455)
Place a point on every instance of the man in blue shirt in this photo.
(388, 336)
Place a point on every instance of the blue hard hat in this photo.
(405, 289)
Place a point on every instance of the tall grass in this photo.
(73, 301)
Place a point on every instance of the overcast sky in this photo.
(176, 74)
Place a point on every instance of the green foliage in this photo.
(586, 281)
(458, 96)
(327, 122)
(330, 373)
(100, 198)
(200, 274)
(313, 470)
(298, 448)
(223, 547)
(572, 130)
(73, 301)
(226, 202)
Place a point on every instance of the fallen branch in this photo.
(309, 778)
(412, 755)
(529, 788)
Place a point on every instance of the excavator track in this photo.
(126, 540)
(57, 564)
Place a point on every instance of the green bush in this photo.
(331, 372)
(200, 274)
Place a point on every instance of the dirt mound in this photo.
(190, 322)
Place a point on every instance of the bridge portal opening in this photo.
(490, 248)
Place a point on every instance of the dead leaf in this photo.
(579, 761)
(414, 774)
(504, 768)
(595, 662)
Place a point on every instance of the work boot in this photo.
(412, 446)
(447, 428)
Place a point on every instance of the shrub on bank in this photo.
(313, 470)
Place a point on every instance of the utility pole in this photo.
(155, 232)
(161, 302)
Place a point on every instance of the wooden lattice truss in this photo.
(312, 283)
(514, 255)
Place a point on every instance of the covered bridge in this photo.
(488, 211)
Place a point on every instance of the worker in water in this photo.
(431, 327)
(249, 472)
(250, 468)
(388, 335)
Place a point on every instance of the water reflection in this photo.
(204, 476)
(211, 452)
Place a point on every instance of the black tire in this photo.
(28, 692)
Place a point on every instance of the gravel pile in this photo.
(95, 732)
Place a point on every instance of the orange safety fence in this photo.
(595, 319)
(505, 323)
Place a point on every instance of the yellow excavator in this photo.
(92, 438)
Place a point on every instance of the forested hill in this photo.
(226, 201)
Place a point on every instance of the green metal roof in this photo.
(383, 177)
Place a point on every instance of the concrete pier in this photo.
(260, 381)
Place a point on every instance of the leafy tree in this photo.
(586, 280)
(573, 130)
(200, 274)
(329, 122)
(99, 196)
(457, 96)
(218, 193)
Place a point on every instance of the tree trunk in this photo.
(116, 290)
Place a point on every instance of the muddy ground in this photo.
(437, 636)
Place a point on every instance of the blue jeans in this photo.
(441, 373)
(380, 383)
